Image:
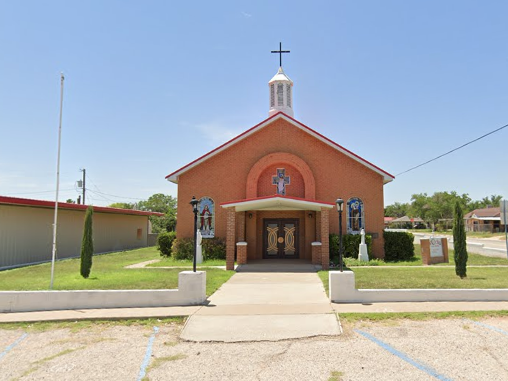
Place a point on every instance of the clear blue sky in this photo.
(152, 85)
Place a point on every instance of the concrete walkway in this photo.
(265, 306)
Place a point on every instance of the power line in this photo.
(48, 191)
(112, 195)
(101, 196)
(455, 149)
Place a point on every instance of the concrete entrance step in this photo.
(279, 266)
(259, 328)
(265, 309)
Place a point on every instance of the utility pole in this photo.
(84, 184)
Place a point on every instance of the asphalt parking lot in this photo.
(449, 349)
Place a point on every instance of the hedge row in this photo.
(183, 248)
(350, 245)
(399, 246)
(165, 242)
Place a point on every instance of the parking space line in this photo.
(427, 369)
(148, 354)
(8, 348)
(491, 327)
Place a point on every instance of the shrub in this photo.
(183, 248)
(164, 243)
(214, 248)
(459, 242)
(87, 244)
(350, 245)
(398, 246)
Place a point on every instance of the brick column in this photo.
(240, 217)
(325, 244)
(318, 226)
(230, 239)
(241, 253)
(316, 253)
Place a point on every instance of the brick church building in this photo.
(271, 191)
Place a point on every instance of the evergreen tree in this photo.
(459, 242)
(87, 244)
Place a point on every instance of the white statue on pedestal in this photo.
(363, 254)
(199, 249)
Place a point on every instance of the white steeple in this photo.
(281, 94)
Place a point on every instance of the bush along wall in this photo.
(183, 248)
(213, 248)
(399, 246)
(165, 242)
(350, 245)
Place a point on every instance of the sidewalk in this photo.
(265, 306)
(97, 314)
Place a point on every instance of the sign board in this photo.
(434, 250)
(504, 211)
(436, 247)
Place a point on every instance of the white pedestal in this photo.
(363, 254)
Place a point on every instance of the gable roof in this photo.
(4, 200)
(173, 177)
(484, 213)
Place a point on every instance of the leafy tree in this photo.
(122, 205)
(436, 207)
(70, 201)
(485, 202)
(397, 210)
(459, 242)
(161, 203)
(87, 244)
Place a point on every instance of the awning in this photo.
(277, 203)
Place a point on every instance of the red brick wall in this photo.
(223, 177)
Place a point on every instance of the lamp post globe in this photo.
(194, 204)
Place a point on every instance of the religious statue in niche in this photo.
(281, 181)
(206, 217)
(355, 216)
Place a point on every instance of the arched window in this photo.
(288, 92)
(355, 216)
(272, 95)
(206, 217)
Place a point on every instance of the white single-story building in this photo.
(26, 230)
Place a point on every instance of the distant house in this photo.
(26, 230)
(406, 222)
(388, 221)
(484, 220)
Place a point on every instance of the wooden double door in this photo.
(280, 238)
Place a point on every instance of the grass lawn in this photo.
(170, 262)
(426, 277)
(108, 273)
(473, 259)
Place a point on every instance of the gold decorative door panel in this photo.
(280, 238)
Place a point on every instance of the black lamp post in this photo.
(340, 206)
(194, 204)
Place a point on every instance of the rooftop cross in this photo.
(280, 51)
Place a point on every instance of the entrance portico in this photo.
(277, 227)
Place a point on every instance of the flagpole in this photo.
(57, 183)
